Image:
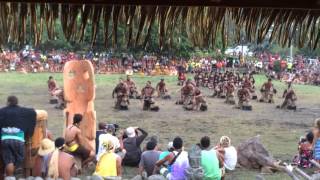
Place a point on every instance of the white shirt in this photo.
(230, 158)
(25, 53)
(106, 137)
(179, 166)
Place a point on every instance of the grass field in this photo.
(279, 130)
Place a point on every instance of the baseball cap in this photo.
(130, 131)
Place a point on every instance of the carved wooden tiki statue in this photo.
(79, 92)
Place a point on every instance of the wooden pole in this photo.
(302, 173)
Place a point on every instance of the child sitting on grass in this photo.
(305, 151)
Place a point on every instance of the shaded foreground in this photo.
(279, 130)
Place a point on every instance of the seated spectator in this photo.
(132, 146)
(305, 151)
(210, 160)
(178, 160)
(76, 143)
(40, 168)
(101, 130)
(230, 153)
(166, 153)
(149, 158)
(109, 163)
(109, 136)
(61, 164)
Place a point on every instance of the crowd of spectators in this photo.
(297, 70)
(115, 149)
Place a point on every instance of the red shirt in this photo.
(283, 64)
(219, 65)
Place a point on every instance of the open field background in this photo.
(279, 130)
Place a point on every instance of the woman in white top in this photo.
(230, 155)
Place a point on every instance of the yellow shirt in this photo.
(107, 165)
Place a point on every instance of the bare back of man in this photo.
(76, 144)
(71, 135)
(67, 168)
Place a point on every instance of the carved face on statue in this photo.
(78, 83)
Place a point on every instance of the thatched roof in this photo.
(202, 23)
(282, 4)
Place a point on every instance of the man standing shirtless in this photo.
(76, 143)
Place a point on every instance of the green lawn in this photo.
(279, 130)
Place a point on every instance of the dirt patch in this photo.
(294, 125)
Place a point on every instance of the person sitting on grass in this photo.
(131, 144)
(244, 97)
(210, 160)
(75, 141)
(61, 164)
(149, 158)
(52, 84)
(40, 168)
(161, 88)
(178, 160)
(110, 136)
(229, 154)
(109, 163)
(101, 130)
(305, 151)
(166, 153)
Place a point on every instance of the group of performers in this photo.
(309, 76)
(191, 97)
(226, 85)
(127, 89)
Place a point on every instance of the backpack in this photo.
(134, 153)
(195, 171)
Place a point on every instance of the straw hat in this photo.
(46, 147)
